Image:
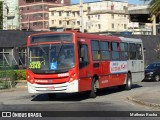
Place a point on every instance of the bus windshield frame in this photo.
(51, 55)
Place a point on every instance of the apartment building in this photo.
(101, 16)
(34, 13)
(10, 15)
(67, 17)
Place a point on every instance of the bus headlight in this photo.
(72, 78)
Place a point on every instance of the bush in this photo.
(20, 74)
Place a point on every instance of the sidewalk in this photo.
(149, 98)
(21, 85)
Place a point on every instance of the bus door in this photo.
(84, 68)
(136, 61)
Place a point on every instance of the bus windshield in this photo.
(51, 58)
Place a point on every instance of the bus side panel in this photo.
(107, 79)
(84, 84)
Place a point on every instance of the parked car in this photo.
(152, 72)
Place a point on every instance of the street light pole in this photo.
(81, 16)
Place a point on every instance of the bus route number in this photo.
(35, 65)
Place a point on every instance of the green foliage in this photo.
(20, 74)
(155, 7)
(1, 14)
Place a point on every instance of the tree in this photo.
(155, 7)
(1, 14)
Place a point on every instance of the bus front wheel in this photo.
(52, 95)
(93, 91)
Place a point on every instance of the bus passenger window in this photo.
(104, 49)
(95, 50)
(139, 51)
(115, 52)
(83, 61)
(132, 51)
(124, 51)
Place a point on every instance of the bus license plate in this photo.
(50, 88)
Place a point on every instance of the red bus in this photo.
(70, 61)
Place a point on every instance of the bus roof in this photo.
(130, 40)
(83, 35)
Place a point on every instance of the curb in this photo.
(8, 90)
(21, 86)
(143, 102)
(21, 81)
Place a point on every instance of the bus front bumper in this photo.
(67, 87)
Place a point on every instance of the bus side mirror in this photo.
(82, 53)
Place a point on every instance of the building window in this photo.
(113, 26)
(60, 22)
(78, 13)
(112, 16)
(73, 13)
(78, 22)
(52, 21)
(125, 26)
(99, 26)
(67, 13)
(60, 13)
(52, 13)
(99, 17)
(67, 22)
(27, 8)
(88, 17)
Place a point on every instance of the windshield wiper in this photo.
(59, 50)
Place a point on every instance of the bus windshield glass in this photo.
(51, 38)
(51, 58)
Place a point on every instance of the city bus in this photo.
(72, 62)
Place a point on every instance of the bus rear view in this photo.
(51, 63)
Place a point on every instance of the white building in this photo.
(10, 15)
(101, 16)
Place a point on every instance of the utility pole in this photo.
(5, 13)
(81, 16)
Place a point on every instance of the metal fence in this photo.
(6, 75)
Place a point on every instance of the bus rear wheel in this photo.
(128, 85)
(93, 91)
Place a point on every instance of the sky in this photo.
(129, 1)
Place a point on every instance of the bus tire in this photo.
(52, 95)
(128, 85)
(93, 91)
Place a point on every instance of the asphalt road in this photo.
(110, 99)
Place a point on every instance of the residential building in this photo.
(10, 15)
(108, 16)
(34, 13)
(67, 17)
(101, 16)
